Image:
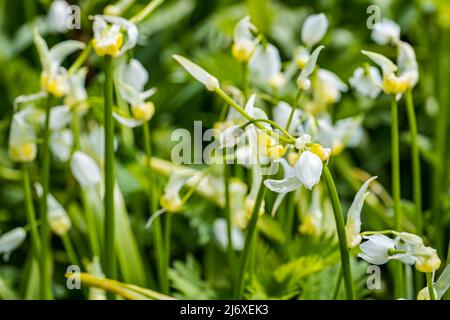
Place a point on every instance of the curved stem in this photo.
(148, 9)
(395, 162)
(157, 228)
(46, 290)
(417, 184)
(249, 239)
(108, 264)
(430, 286)
(340, 228)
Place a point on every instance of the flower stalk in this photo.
(340, 228)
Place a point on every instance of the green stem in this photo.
(68, 246)
(249, 238)
(109, 224)
(241, 111)
(340, 228)
(31, 216)
(337, 287)
(227, 212)
(245, 79)
(80, 60)
(417, 184)
(149, 8)
(430, 286)
(395, 154)
(156, 227)
(294, 107)
(46, 290)
(167, 232)
(91, 223)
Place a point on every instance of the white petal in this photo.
(284, 185)
(266, 62)
(314, 28)
(332, 80)
(42, 49)
(230, 137)
(11, 240)
(60, 116)
(198, 73)
(85, 170)
(311, 64)
(58, 14)
(367, 85)
(61, 50)
(130, 28)
(220, 233)
(127, 122)
(243, 30)
(308, 169)
(384, 63)
(385, 32)
(61, 143)
(133, 74)
(281, 114)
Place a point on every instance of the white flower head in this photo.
(58, 15)
(244, 42)
(385, 32)
(302, 141)
(54, 77)
(353, 225)
(171, 200)
(314, 29)
(266, 65)
(210, 82)
(376, 249)
(281, 114)
(220, 233)
(61, 143)
(10, 241)
(109, 38)
(85, 170)
(407, 63)
(330, 86)
(60, 116)
(367, 82)
(21, 145)
(303, 81)
(308, 169)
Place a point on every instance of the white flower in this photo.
(427, 259)
(303, 81)
(330, 86)
(58, 15)
(230, 136)
(54, 77)
(367, 83)
(314, 28)
(10, 241)
(345, 132)
(302, 140)
(376, 249)
(353, 225)
(171, 200)
(308, 169)
(210, 82)
(281, 113)
(386, 31)
(21, 145)
(108, 35)
(60, 116)
(244, 41)
(61, 143)
(220, 233)
(57, 218)
(266, 65)
(85, 170)
(407, 63)
(77, 95)
(301, 57)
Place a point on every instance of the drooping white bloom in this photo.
(60, 116)
(367, 83)
(303, 81)
(54, 79)
(85, 170)
(281, 113)
(353, 225)
(171, 200)
(77, 96)
(314, 29)
(61, 143)
(58, 15)
(210, 82)
(308, 169)
(220, 233)
(330, 86)
(301, 56)
(266, 65)
(10, 241)
(57, 218)
(386, 31)
(21, 145)
(108, 35)
(244, 42)
(407, 63)
(376, 249)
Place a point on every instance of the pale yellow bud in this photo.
(293, 158)
(277, 81)
(54, 84)
(424, 294)
(242, 52)
(143, 111)
(60, 225)
(171, 202)
(427, 260)
(395, 85)
(321, 152)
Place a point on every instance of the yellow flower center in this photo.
(242, 52)
(321, 152)
(395, 85)
(269, 146)
(60, 225)
(143, 111)
(108, 45)
(172, 203)
(428, 264)
(54, 84)
(25, 152)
